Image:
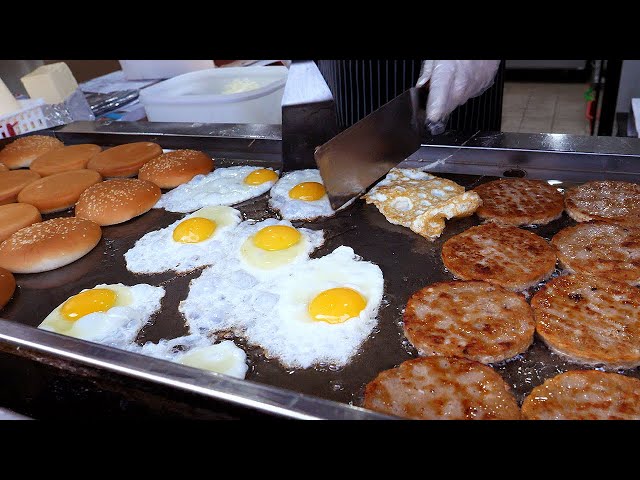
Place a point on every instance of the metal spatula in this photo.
(356, 158)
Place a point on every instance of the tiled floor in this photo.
(544, 108)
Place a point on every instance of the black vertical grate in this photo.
(361, 86)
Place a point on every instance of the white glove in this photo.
(452, 83)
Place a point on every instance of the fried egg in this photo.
(197, 240)
(318, 311)
(420, 201)
(108, 314)
(223, 186)
(300, 195)
(272, 244)
(197, 351)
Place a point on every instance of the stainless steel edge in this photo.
(544, 156)
(219, 130)
(27, 340)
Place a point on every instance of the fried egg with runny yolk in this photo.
(258, 177)
(223, 186)
(108, 314)
(300, 195)
(199, 239)
(316, 311)
(273, 244)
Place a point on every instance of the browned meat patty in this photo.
(591, 320)
(442, 388)
(516, 201)
(504, 255)
(607, 200)
(475, 320)
(602, 249)
(584, 395)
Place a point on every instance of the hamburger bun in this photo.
(11, 183)
(175, 168)
(124, 160)
(15, 216)
(116, 201)
(7, 286)
(49, 245)
(21, 152)
(60, 191)
(3, 168)
(64, 159)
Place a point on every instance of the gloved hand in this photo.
(452, 83)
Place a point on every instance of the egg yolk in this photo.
(194, 230)
(91, 301)
(336, 305)
(258, 177)
(307, 191)
(276, 237)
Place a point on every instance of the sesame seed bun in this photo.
(3, 167)
(175, 168)
(7, 286)
(21, 152)
(64, 159)
(116, 201)
(15, 216)
(49, 245)
(124, 160)
(60, 191)
(11, 183)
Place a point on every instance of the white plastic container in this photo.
(155, 69)
(199, 97)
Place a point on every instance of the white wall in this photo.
(629, 85)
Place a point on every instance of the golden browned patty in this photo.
(445, 388)
(603, 249)
(516, 201)
(590, 319)
(607, 200)
(584, 395)
(504, 255)
(475, 320)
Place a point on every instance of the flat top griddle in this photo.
(408, 262)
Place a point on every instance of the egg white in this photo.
(223, 186)
(158, 252)
(295, 209)
(118, 326)
(271, 312)
(197, 351)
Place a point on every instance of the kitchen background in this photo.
(582, 97)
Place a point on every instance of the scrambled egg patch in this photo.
(420, 201)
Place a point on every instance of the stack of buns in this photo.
(39, 175)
